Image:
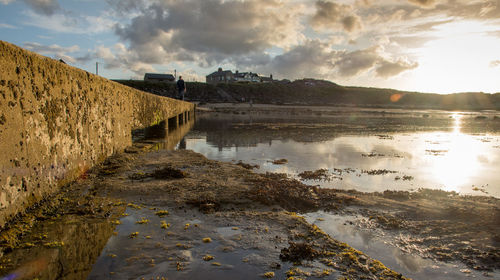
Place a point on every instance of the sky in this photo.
(437, 46)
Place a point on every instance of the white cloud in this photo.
(387, 69)
(54, 51)
(8, 26)
(210, 30)
(356, 62)
(317, 59)
(311, 59)
(43, 49)
(70, 23)
(119, 57)
(350, 64)
(343, 39)
(424, 3)
(495, 63)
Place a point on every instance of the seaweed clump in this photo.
(298, 251)
(247, 165)
(320, 174)
(169, 173)
(166, 173)
(280, 161)
(288, 193)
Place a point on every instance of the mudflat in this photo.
(152, 213)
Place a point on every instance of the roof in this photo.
(219, 73)
(243, 74)
(159, 76)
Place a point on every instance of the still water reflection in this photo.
(379, 245)
(450, 151)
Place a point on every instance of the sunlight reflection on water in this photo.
(448, 160)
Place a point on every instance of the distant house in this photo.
(246, 77)
(154, 77)
(220, 77)
(267, 79)
(227, 76)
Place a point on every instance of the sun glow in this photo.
(458, 161)
(459, 61)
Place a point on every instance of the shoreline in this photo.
(260, 208)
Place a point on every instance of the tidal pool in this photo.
(367, 151)
(380, 245)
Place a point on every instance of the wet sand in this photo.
(431, 223)
(248, 223)
(223, 221)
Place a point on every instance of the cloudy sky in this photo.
(441, 46)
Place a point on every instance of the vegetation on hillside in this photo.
(317, 92)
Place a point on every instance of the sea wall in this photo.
(57, 121)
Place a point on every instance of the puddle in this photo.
(178, 252)
(64, 247)
(378, 245)
(228, 231)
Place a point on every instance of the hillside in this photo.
(317, 92)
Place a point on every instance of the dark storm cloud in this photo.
(45, 7)
(330, 15)
(212, 28)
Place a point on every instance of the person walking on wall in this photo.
(181, 87)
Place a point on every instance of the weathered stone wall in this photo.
(56, 121)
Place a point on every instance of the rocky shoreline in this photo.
(250, 219)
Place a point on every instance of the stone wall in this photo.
(57, 121)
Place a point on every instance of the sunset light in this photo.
(250, 139)
(437, 46)
(459, 59)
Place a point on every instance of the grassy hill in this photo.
(318, 92)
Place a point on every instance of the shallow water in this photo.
(153, 253)
(378, 244)
(451, 151)
(446, 150)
